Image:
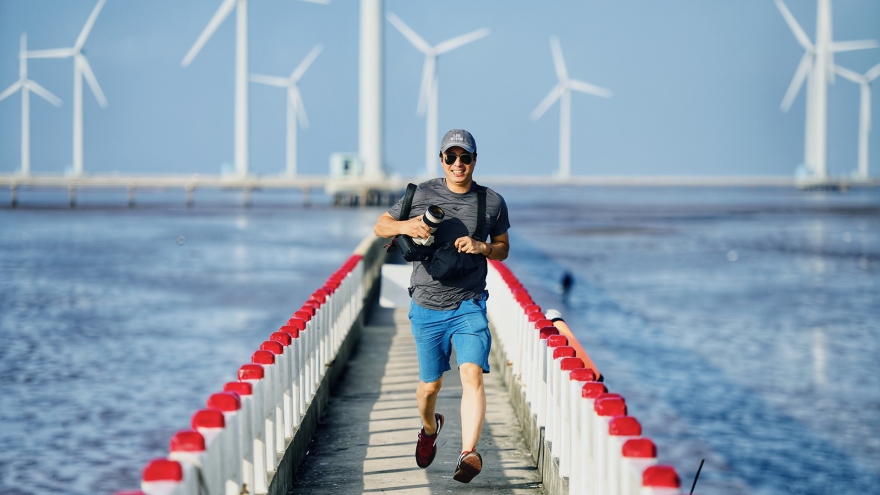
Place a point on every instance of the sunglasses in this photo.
(466, 158)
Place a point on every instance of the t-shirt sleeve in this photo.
(502, 222)
(394, 211)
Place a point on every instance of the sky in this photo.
(697, 85)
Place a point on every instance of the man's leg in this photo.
(473, 405)
(426, 396)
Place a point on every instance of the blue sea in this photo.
(741, 325)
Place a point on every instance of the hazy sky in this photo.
(697, 85)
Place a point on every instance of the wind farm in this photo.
(81, 70)
(429, 88)
(26, 86)
(295, 108)
(817, 69)
(562, 93)
(490, 84)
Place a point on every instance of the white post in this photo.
(370, 96)
(77, 118)
(565, 134)
(291, 137)
(864, 129)
(25, 131)
(816, 134)
(431, 131)
(241, 89)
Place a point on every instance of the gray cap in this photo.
(460, 138)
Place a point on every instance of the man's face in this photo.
(458, 173)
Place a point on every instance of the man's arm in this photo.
(497, 248)
(386, 226)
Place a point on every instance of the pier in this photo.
(327, 405)
(353, 191)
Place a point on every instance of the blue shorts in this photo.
(437, 332)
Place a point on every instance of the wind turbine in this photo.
(817, 66)
(562, 92)
(241, 70)
(81, 68)
(26, 86)
(864, 82)
(428, 94)
(294, 103)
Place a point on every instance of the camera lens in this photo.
(433, 216)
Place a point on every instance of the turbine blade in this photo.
(53, 53)
(558, 60)
(219, 16)
(297, 102)
(409, 34)
(42, 92)
(873, 73)
(464, 39)
(428, 74)
(548, 101)
(269, 80)
(848, 74)
(865, 109)
(848, 46)
(589, 88)
(797, 81)
(322, 2)
(10, 90)
(799, 33)
(304, 65)
(90, 78)
(81, 39)
(22, 50)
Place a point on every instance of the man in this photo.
(447, 314)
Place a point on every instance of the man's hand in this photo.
(415, 227)
(388, 226)
(469, 245)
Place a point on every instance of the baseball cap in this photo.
(460, 138)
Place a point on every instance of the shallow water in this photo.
(740, 325)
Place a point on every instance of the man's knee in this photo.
(429, 389)
(471, 375)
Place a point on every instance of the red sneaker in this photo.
(469, 465)
(426, 448)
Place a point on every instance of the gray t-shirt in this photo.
(460, 220)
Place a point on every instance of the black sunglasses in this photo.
(466, 158)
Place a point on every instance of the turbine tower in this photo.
(370, 87)
(817, 66)
(562, 92)
(26, 86)
(81, 69)
(294, 103)
(864, 82)
(428, 94)
(241, 73)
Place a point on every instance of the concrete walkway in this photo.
(366, 440)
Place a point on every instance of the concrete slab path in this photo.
(366, 440)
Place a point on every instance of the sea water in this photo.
(741, 325)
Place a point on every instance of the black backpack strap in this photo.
(406, 206)
(481, 211)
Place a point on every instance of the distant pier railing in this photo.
(253, 435)
(355, 191)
